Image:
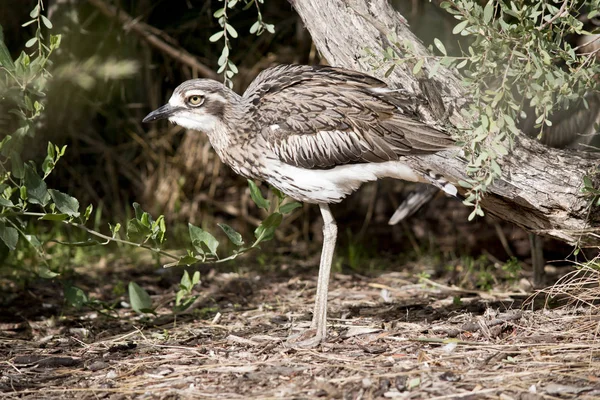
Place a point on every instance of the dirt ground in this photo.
(391, 335)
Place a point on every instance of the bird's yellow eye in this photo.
(195, 100)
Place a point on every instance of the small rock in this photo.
(557, 389)
(400, 383)
(97, 365)
(111, 374)
(450, 376)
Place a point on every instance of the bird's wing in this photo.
(318, 117)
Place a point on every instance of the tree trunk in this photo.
(541, 187)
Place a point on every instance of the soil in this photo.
(391, 335)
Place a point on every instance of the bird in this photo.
(316, 133)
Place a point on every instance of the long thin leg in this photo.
(319, 321)
(318, 328)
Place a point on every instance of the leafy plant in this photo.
(591, 191)
(516, 58)
(184, 297)
(27, 204)
(205, 245)
(226, 66)
(140, 299)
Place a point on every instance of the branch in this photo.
(541, 187)
(561, 13)
(146, 32)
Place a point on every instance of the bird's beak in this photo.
(161, 113)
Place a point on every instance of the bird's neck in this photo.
(235, 139)
(223, 131)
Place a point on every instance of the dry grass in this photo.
(390, 337)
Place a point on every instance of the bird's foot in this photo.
(306, 339)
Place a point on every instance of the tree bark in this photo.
(540, 189)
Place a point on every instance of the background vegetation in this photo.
(101, 66)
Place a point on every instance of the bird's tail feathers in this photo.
(422, 196)
(413, 203)
(440, 182)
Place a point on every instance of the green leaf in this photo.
(31, 42)
(289, 207)
(460, 27)
(35, 12)
(139, 213)
(257, 196)
(488, 12)
(200, 237)
(33, 240)
(183, 305)
(54, 217)
(231, 30)
(46, 22)
(45, 273)
(37, 193)
(88, 212)
(472, 215)
(136, 231)
(440, 46)
(65, 203)
(418, 66)
(232, 234)
(196, 278)
(9, 235)
(139, 299)
(216, 36)
(5, 58)
(75, 297)
(18, 168)
(5, 202)
(187, 260)
(223, 58)
(185, 282)
(266, 230)
(219, 13)
(55, 42)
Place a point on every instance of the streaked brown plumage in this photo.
(314, 132)
(330, 116)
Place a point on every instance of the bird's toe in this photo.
(306, 339)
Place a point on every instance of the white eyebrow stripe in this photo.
(195, 93)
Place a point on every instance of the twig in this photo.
(559, 14)
(100, 235)
(145, 31)
(445, 341)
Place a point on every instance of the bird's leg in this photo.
(319, 321)
(318, 328)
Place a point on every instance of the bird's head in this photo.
(198, 104)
